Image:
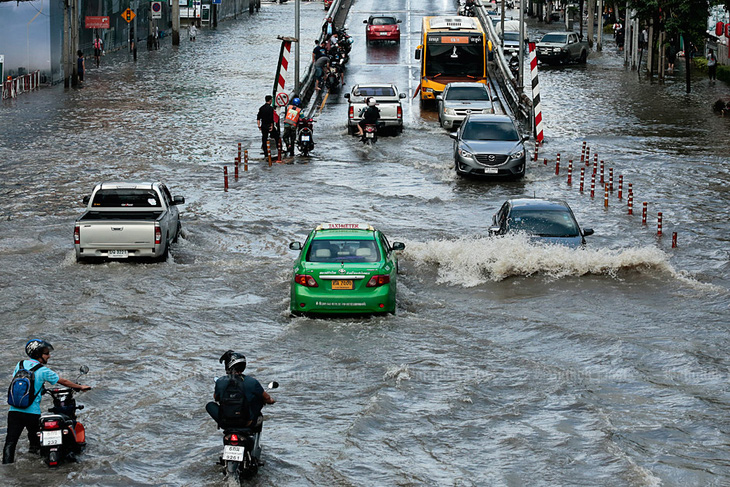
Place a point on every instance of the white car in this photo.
(387, 99)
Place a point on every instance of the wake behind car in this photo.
(345, 268)
(128, 219)
(489, 145)
(382, 28)
(460, 99)
(550, 221)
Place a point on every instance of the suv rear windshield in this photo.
(343, 250)
(512, 36)
(544, 223)
(467, 93)
(382, 21)
(126, 198)
(490, 131)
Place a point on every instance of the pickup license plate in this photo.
(118, 254)
(305, 138)
(342, 284)
(233, 453)
(50, 438)
(491, 170)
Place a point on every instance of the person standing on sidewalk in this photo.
(265, 120)
(712, 65)
(192, 31)
(98, 48)
(80, 65)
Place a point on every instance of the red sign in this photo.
(97, 22)
(719, 28)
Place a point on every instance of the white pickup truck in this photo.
(128, 219)
(387, 99)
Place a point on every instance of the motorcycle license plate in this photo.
(491, 170)
(233, 453)
(50, 438)
(370, 135)
(118, 254)
(305, 138)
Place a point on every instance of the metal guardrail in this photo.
(11, 88)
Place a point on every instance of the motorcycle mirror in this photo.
(84, 369)
(273, 385)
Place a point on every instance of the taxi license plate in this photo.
(342, 284)
(491, 170)
(305, 138)
(233, 453)
(118, 254)
(50, 438)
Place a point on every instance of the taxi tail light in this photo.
(400, 112)
(158, 234)
(380, 280)
(351, 113)
(77, 235)
(305, 280)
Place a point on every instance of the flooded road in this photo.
(507, 363)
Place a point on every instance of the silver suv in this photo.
(461, 99)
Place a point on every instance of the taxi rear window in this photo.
(126, 198)
(343, 250)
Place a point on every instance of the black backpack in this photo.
(21, 392)
(234, 410)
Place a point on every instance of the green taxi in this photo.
(344, 268)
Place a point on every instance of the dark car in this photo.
(382, 28)
(489, 145)
(550, 221)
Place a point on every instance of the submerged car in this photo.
(345, 268)
(489, 145)
(382, 28)
(550, 221)
(461, 99)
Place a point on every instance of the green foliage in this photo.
(723, 72)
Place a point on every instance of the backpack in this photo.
(234, 410)
(21, 392)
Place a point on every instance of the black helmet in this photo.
(233, 360)
(35, 347)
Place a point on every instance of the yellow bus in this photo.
(452, 49)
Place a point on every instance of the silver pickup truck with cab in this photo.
(128, 219)
(562, 47)
(387, 99)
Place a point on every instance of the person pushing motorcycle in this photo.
(291, 118)
(39, 351)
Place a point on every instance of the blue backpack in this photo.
(21, 392)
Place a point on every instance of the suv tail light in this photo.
(77, 235)
(305, 280)
(380, 280)
(158, 234)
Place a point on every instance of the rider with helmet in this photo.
(370, 116)
(38, 351)
(255, 394)
(291, 118)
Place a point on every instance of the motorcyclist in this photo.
(291, 118)
(39, 352)
(256, 396)
(370, 116)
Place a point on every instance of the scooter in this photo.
(241, 457)
(370, 134)
(305, 138)
(62, 436)
(333, 80)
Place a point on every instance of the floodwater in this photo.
(508, 363)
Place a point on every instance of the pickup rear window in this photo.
(126, 198)
(379, 91)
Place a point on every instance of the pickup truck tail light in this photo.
(351, 113)
(400, 112)
(77, 235)
(158, 234)
(305, 280)
(376, 281)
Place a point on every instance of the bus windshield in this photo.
(455, 60)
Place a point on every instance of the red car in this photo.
(382, 28)
(327, 4)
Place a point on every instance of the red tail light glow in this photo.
(50, 425)
(305, 280)
(351, 113)
(158, 234)
(77, 235)
(400, 112)
(234, 439)
(376, 281)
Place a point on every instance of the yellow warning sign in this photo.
(128, 15)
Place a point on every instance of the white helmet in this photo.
(371, 102)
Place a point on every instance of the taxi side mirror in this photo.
(398, 246)
(295, 246)
(401, 95)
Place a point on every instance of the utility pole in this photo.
(591, 20)
(296, 47)
(599, 44)
(520, 82)
(175, 23)
(74, 42)
(66, 42)
(502, 22)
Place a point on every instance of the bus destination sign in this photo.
(439, 38)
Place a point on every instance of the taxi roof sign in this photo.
(345, 226)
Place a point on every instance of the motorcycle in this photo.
(333, 80)
(370, 134)
(241, 457)
(305, 138)
(514, 64)
(344, 40)
(62, 435)
(466, 10)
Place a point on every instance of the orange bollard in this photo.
(603, 180)
(674, 240)
(659, 224)
(235, 172)
(631, 204)
(245, 160)
(620, 186)
(631, 189)
(610, 179)
(593, 185)
(582, 177)
(643, 213)
(605, 197)
(225, 178)
(595, 168)
(570, 172)
(278, 151)
(557, 168)
(268, 150)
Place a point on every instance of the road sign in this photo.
(282, 99)
(216, 2)
(156, 8)
(128, 15)
(96, 22)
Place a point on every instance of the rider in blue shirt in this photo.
(39, 352)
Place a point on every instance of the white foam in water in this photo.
(469, 262)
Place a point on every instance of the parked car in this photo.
(562, 47)
(387, 99)
(128, 219)
(382, 28)
(489, 145)
(345, 268)
(550, 221)
(460, 99)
